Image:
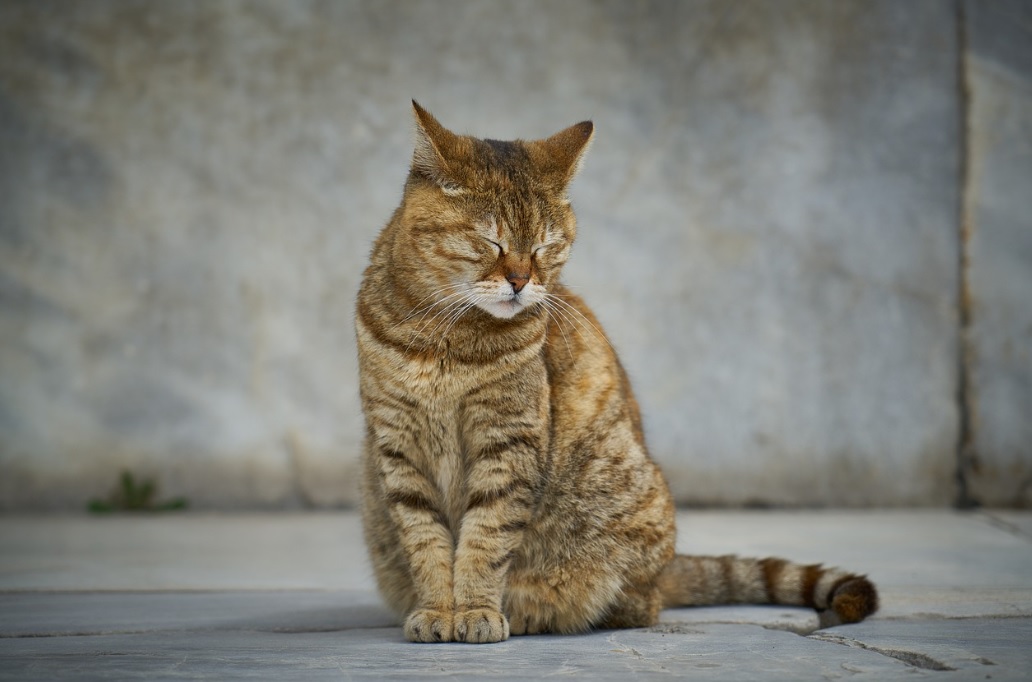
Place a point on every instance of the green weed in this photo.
(135, 495)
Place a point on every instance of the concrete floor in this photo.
(289, 596)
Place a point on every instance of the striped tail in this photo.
(707, 580)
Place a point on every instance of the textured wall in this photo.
(998, 222)
(770, 231)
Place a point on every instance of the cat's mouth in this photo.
(502, 302)
(506, 306)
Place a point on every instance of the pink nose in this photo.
(518, 280)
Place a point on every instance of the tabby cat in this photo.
(507, 488)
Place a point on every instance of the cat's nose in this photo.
(518, 280)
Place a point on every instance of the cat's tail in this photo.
(841, 597)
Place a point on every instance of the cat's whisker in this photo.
(419, 308)
(566, 317)
(579, 316)
(566, 339)
(446, 287)
(549, 310)
(452, 318)
(444, 313)
(425, 310)
(455, 318)
(430, 307)
(452, 312)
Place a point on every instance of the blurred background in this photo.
(806, 226)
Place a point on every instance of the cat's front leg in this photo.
(414, 506)
(497, 512)
(503, 468)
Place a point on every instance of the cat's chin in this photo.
(503, 309)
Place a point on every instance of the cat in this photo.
(506, 485)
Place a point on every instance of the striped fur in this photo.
(506, 487)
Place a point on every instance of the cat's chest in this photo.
(418, 404)
(439, 450)
(446, 381)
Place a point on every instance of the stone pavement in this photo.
(289, 596)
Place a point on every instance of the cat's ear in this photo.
(564, 152)
(434, 145)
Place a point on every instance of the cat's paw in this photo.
(427, 625)
(481, 626)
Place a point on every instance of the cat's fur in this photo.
(507, 488)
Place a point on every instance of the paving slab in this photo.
(977, 648)
(919, 550)
(184, 552)
(1014, 521)
(264, 596)
(61, 614)
(701, 652)
(877, 650)
(913, 547)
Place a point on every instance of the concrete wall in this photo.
(998, 230)
(771, 223)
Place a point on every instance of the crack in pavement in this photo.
(911, 658)
(1004, 525)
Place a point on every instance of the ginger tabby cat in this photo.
(507, 488)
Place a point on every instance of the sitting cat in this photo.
(507, 488)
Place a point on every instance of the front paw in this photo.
(481, 626)
(427, 625)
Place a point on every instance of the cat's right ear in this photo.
(434, 144)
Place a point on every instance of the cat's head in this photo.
(488, 223)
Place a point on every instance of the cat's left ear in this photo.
(562, 154)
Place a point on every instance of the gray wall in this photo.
(997, 226)
(784, 206)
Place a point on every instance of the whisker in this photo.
(443, 313)
(462, 296)
(449, 316)
(446, 287)
(455, 318)
(579, 316)
(436, 303)
(558, 314)
(418, 308)
(550, 308)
